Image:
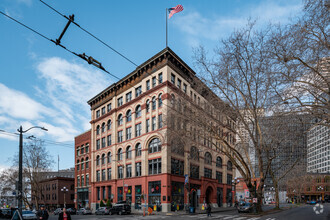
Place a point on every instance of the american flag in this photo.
(174, 10)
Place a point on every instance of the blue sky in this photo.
(42, 84)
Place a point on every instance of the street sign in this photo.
(186, 178)
(246, 193)
(199, 192)
(125, 189)
(255, 200)
(14, 193)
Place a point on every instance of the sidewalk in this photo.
(197, 211)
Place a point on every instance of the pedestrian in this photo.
(64, 215)
(42, 213)
(208, 209)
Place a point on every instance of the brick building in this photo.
(131, 156)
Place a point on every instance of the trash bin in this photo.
(191, 209)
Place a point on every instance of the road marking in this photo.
(240, 218)
(229, 217)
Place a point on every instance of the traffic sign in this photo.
(255, 200)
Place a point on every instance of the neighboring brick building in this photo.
(82, 170)
(131, 156)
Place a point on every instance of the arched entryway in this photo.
(193, 198)
(208, 194)
(219, 196)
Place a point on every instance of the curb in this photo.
(182, 212)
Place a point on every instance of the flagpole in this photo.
(166, 25)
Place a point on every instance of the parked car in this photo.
(245, 207)
(102, 211)
(6, 213)
(57, 211)
(26, 214)
(72, 211)
(313, 202)
(120, 209)
(83, 211)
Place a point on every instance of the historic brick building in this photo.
(131, 155)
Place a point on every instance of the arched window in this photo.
(229, 165)
(138, 150)
(97, 160)
(160, 101)
(177, 147)
(153, 103)
(109, 157)
(172, 100)
(148, 105)
(138, 111)
(194, 153)
(155, 145)
(120, 119)
(128, 116)
(219, 162)
(103, 127)
(120, 154)
(87, 163)
(128, 152)
(78, 164)
(97, 129)
(208, 158)
(109, 124)
(103, 159)
(82, 164)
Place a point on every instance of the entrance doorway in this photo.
(219, 197)
(193, 199)
(208, 194)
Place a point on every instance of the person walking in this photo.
(208, 209)
(42, 213)
(64, 215)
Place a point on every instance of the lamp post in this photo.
(20, 169)
(64, 190)
(234, 182)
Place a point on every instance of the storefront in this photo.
(82, 195)
(154, 201)
(177, 194)
(129, 195)
(120, 194)
(138, 190)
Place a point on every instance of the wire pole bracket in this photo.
(70, 19)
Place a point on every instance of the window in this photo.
(138, 129)
(138, 111)
(97, 113)
(109, 139)
(120, 101)
(194, 153)
(229, 179)
(194, 171)
(147, 125)
(147, 85)
(109, 125)
(177, 167)
(109, 157)
(155, 166)
(98, 144)
(120, 136)
(172, 100)
(103, 142)
(219, 176)
(87, 163)
(185, 88)
(129, 152)
(97, 160)
(229, 166)
(128, 133)
(103, 110)
(82, 150)
(138, 91)
(148, 106)
(208, 158)
(153, 81)
(103, 159)
(103, 127)
(109, 173)
(78, 181)
(138, 150)
(138, 169)
(103, 175)
(120, 154)
(153, 103)
(98, 176)
(128, 170)
(120, 172)
(160, 121)
(120, 119)
(78, 165)
(173, 78)
(179, 83)
(160, 78)
(155, 145)
(219, 162)
(207, 173)
(87, 180)
(98, 130)
(129, 116)
(128, 97)
(87, 148)
(160, 101)
(109, 107)
(153, 125)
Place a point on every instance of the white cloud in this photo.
(27, 2)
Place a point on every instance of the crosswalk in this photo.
(225, 217)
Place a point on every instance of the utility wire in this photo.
(98, 39)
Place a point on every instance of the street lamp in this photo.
(20, 169)
(64, 190)
(234, 182)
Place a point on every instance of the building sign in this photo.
(186, 179)
(246, 193)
